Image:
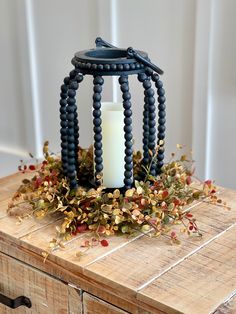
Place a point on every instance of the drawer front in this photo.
(93, 305)
(47, 295)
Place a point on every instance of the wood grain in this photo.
(200, 283)
(93, 305)
(47, 294)
(125, 272)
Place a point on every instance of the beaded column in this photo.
(63, 130)
(128, 174)
(69, 126)
(149, 121)
(161, 121)
(97, 121)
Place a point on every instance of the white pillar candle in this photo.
(113, 144)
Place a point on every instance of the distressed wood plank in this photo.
(200, 283)
(47, 294)
(229, 307)
(146, 258)
(93, 305)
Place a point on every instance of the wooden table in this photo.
(132, 275)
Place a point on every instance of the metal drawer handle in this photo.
(14, 303)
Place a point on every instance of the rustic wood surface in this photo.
(141, 274)
(47, 294)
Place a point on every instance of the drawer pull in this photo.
(14, 303)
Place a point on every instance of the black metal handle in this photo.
(14, 303)
(102, 43)
(134, 54)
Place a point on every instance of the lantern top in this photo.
(106, 59)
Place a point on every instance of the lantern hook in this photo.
(134, 54)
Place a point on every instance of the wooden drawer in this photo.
(48, 295)
(93, 305)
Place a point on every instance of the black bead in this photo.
(147, 84)
(162, 107)
(124, 87)
(128, 167)
(160, 164)
(73, 85)
(161, 114)
(128, 182)
(149, 92)
(126, 67)
(123, 79)
(160, 157)
(128, 159)
(128, 136)
(120, 67)
(97, 88)
(161, 92)
(152, 123)
(152, 138)
(97, 121)
(159, 84)
(128, 151)
(97, 97)
(100, 67)
(71, 146)
(107, 67)
(128, 174)
(71, 168)
(155, 77)
(161, 121)
(63, 131)
(63, 124)
(128, 128)
(113, 67)
(94, 66)
(161, 136)
(97, 105)
(73, 74)
(161, 99)
(63, 102)
(63, 145)
(98, 160)
(151, 101)
(70, 116)
(126, 96)
(98, 145)
(128, 144)
(161, 128)
(63, 95)
(64, 88)
(67, 80)
(97, 129)
(98, 137)
(152, 115)
(127, 105)
(63, 116)
(70, 124)
(142, 77)
(98, 167)
(98, 152)
(97, 113)
(98, 80)
(71, 93)
(128, 120)
(79, 78)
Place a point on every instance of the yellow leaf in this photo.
(129, 193)
(139, 190)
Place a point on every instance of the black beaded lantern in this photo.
(107, 60)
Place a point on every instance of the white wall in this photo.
(192, 40)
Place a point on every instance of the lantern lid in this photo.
(106, 59)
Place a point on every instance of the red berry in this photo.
(104, 243)
(32, 167)
(188, 180)
(82, 228)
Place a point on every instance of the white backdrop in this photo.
(192, 40)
